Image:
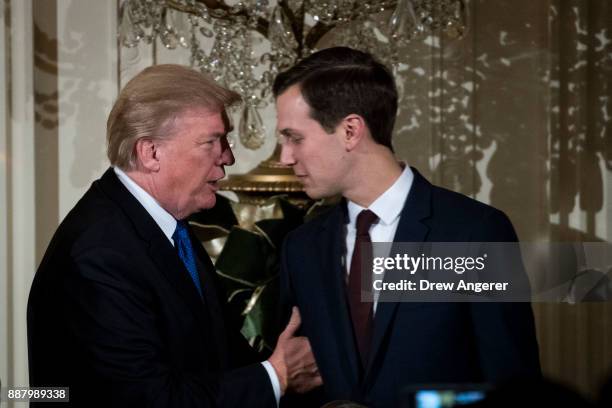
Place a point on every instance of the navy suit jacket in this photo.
(114, 315)
(413, 343)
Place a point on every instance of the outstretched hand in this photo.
(293, 360)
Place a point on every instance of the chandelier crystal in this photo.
(225, 40)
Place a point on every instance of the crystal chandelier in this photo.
(226, 40)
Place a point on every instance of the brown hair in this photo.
(149, 103)
(338, 81)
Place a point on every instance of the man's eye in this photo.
(289, 139)
(293, 139)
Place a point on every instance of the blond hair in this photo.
(151, 100)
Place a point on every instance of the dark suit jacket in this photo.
(413, 343)
(114, 315)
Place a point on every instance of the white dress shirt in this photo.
(167, 223)
(388, 207)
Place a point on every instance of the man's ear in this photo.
(355, 129)
(147, 154)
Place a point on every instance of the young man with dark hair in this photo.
(336, 110)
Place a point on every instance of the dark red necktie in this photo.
(361, 312)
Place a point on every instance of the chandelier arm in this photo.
(297, 23)
(319, 29)
(316, 33)
(262, 23)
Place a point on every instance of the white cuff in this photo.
(273, 379)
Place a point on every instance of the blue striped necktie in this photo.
(182, 244)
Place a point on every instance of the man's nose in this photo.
(227, 156)
(286, 156)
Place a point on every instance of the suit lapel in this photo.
(161, 251)
(411, 228)
(166, 259)
(206, 270)
(330, 248)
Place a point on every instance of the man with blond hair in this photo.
(124, 308)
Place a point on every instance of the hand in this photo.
(293, 360)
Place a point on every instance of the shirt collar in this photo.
(162, 218)
(389, 204)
